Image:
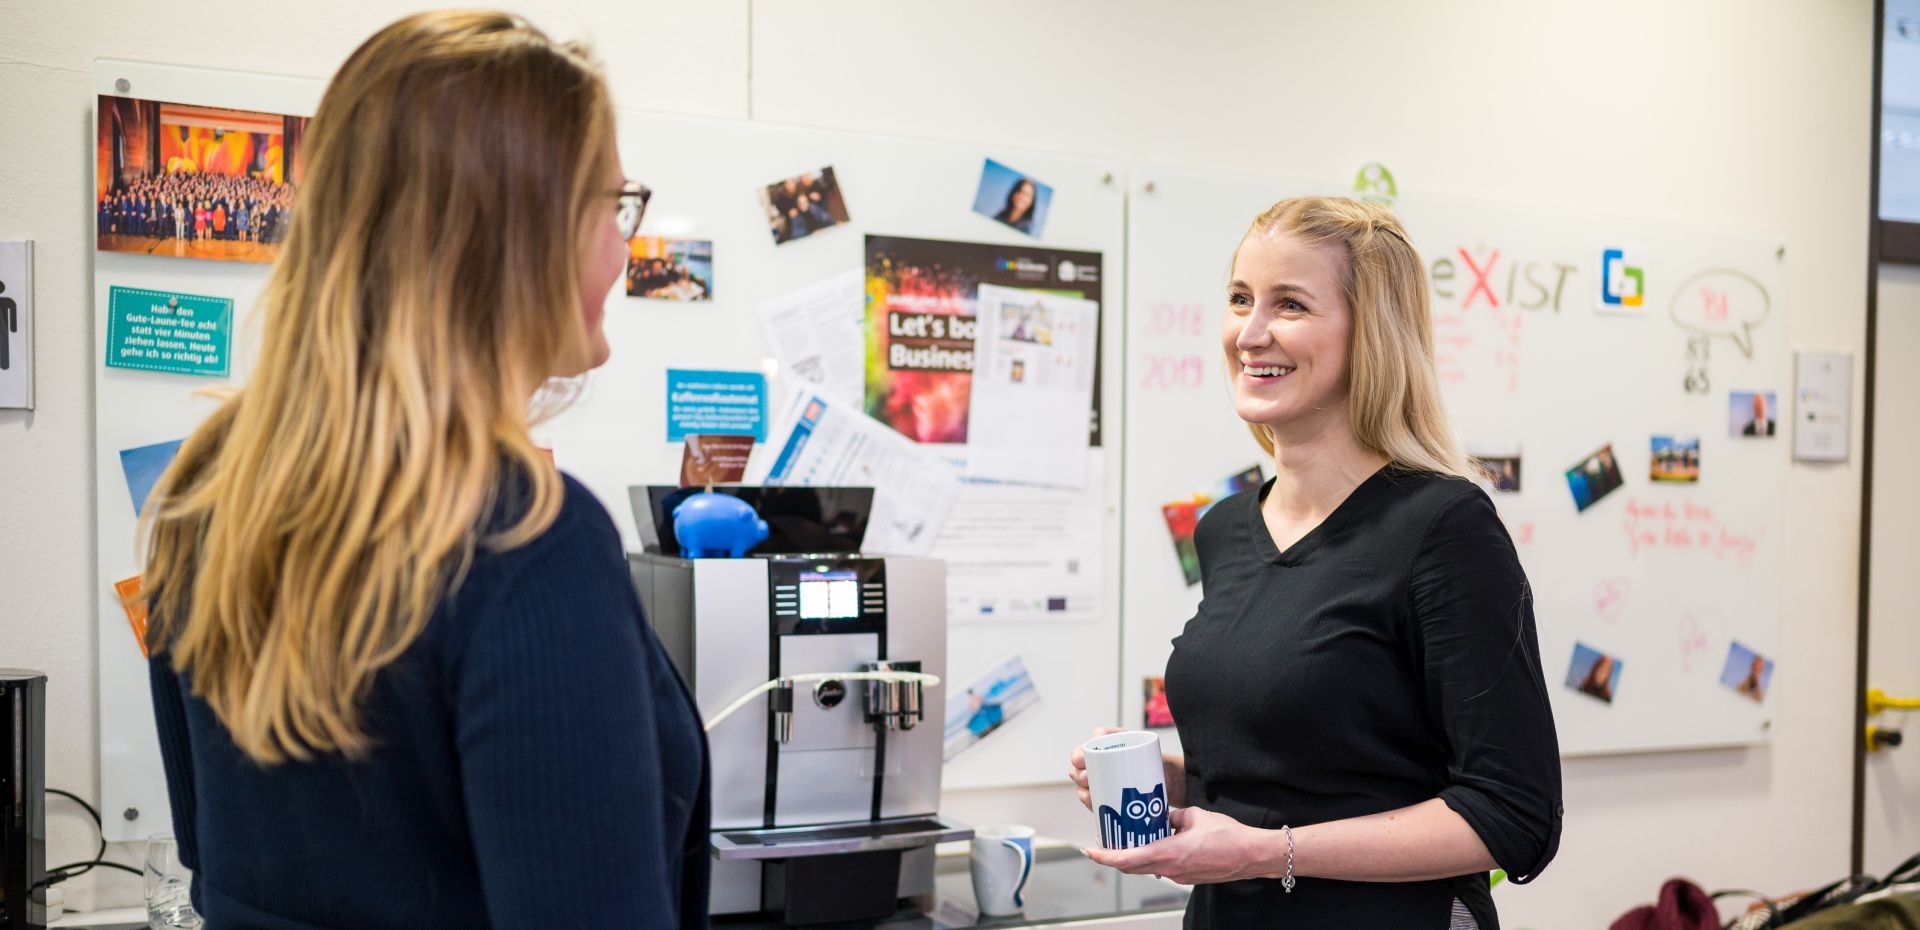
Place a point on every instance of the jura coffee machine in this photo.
(823, 661)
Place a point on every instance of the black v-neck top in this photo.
(1386, 658)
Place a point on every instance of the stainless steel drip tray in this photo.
(834, 838)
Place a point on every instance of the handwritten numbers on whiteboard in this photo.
(1171, 372)
(1696, 381)
(1176, 319)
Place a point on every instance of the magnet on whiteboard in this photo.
(1149, 187)
(122, 85)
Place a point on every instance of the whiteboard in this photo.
(705, 174)
(1663, 576)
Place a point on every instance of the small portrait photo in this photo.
(669, 269)
(192, 181)
(1026, 322)
(1593, 672)
(1597, 476)
(1156, 715)
(1018, 373)
(1751, 413)
(1748, 673)
(1009, 197)
(803, 205)
(1676, 459)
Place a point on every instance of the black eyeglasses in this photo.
(633, 205)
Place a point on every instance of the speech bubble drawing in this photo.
(1722, 302)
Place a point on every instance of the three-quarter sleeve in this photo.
(1480, 658)
(559, 747)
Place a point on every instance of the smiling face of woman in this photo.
(1022, 199)
(1286, 335)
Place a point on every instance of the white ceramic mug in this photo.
(1002, 859)
(1127, 787)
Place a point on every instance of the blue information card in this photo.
(716, 403)
(165, 331)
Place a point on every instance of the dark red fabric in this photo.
(1682, 906)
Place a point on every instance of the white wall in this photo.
(1893, 778)
(1743, 115)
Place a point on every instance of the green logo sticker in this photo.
(1374, 182)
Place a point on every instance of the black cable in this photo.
(75, 869)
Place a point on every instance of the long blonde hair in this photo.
(428, 286)
(1394, 392)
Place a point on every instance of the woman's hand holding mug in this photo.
(1175, 766)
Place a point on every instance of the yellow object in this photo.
(1874, 741)
(1877, 701)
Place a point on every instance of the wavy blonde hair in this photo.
(1394, 392)
(428, 287)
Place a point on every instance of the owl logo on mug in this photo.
(1144, 819)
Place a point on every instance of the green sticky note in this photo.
(166, 331)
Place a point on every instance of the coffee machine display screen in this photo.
(829, 595)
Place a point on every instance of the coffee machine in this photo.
(23, 799)
(826, 792)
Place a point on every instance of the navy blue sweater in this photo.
(537, 763)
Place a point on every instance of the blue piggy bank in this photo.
(713, 525)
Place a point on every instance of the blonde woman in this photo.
(400, 676)
(1360, 697)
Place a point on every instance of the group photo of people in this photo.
(1597, 476)
(1676, 458)
(196, 182)
(669, 269)
(802, 205)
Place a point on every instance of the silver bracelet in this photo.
(1286, 881)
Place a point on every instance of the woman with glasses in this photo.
(400, 676)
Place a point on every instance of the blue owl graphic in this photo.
(1144, 819)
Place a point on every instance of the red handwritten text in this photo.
(1685, 525)
(1171, 372)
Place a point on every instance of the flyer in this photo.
(815, 335)
(1032, 387)
(823, 442)
(920, 304)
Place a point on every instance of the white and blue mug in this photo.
(1002, 860)
(1127, 788)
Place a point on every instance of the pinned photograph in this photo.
(1183, 517)
(803, 205)
(669, 269)
(1014, 199)
(1499, 463)
(194, 182)
(1593, 672)
(1748, 673)
(1751, 413)
(1676, 459)
(1597, 476)
(988, 704)
(1156, 715)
